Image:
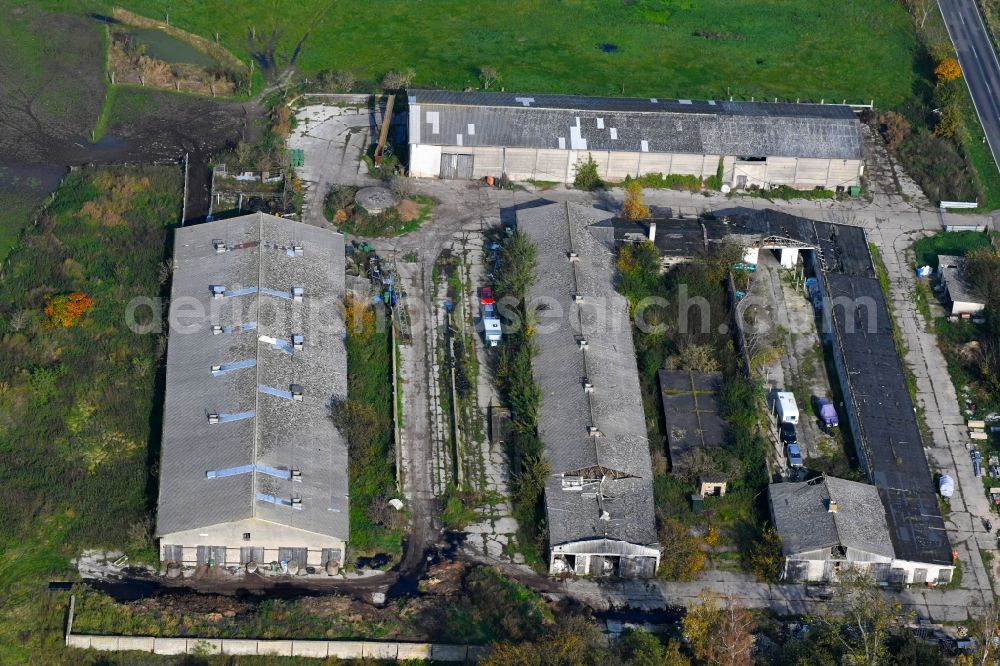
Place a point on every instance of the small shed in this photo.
(712, 484)
(958, 295)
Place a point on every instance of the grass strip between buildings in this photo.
(365, 419)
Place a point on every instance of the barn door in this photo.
(456, 166)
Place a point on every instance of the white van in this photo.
(788, 411)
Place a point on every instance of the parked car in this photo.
(828, 413)
(794, 455)
(788, 435)
(486, 296)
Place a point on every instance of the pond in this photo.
(169, 49)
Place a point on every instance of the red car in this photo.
(486, 296)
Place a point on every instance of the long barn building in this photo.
(544, 137)
(253, 468)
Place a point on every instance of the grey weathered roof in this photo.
(283, 434)
(802, 517)
(691, 413)
(560, 368)
(953, 271)
(634, 125)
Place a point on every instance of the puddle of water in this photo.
(169, 49)
(108, 143)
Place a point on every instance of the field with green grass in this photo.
(79, 406)
(810, 49)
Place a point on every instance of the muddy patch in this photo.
(409, 210)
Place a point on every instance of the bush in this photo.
(674, 181)
(682, 557)
(939, 168)
(587, 177)
(632, 206)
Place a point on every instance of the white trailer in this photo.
(491, 330)
(785, 407)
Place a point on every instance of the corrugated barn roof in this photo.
(237, 441)
(743, 129)
(618, 451)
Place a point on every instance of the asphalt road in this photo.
(979, 64)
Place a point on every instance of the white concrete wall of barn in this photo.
(553, 164)
(263, 534)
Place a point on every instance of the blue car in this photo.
(794, 455)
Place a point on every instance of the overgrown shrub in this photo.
(939, 168)
(587, 177)
(675, 181)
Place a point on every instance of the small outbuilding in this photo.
(712, 484)
(958, 295)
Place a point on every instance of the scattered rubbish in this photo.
(396, 504)
(121, 561)
(924, 271)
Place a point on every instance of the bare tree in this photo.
(488, 75)
(18, 320)
(343, 80)
(861, 618)
(720, 635)
(920, 10)
(401, 186)
(395, 80)
(983, 631)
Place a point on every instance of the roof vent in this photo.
(216, 329)
(216, 368)
(218, 291)
(582, 342)
(593, 431)
(298, 250)
(573, 256)
(296, 391)
(297, 293)
(832, 506)
(296, 502)
(297, 475)
(219, 245)
(297, 341)
(605, 516)
(588, 386)
(578, 298)
(213, 418)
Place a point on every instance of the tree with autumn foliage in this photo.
(65, 310)
(632, 207)
(948, 70)
(720, 634)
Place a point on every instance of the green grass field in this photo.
(809, 49)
